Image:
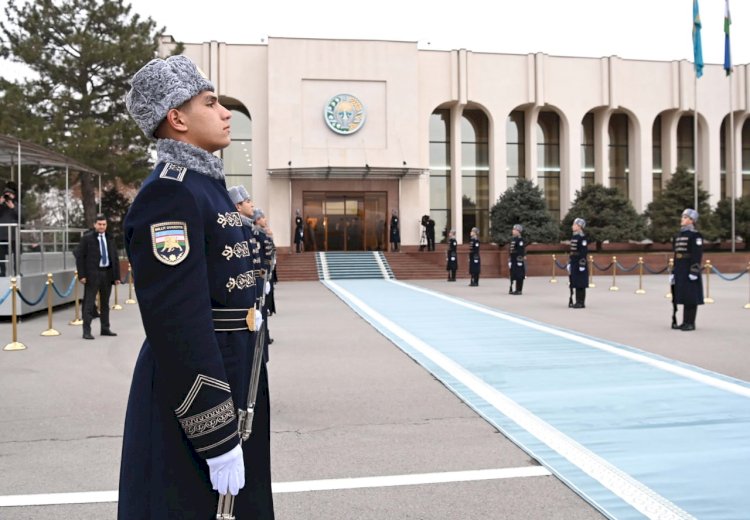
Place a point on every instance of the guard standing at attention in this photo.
(195, 285)
(475, 264)
(452, 259)
(578, 267)
(686, 276)
(395, 232)
(299, 233)
(517, 263)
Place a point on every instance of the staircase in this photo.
(296, 267)
(418, 265)
(352, 265)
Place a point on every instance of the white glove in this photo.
(267, 287)
(568, 268)
(671, 279)
(258, 319)
(693, 277)
(582, 269)
(228, 471)
(508, 265)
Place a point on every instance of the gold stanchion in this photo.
(553, 279)
(116, 306)
(591, 271)
(670, 267)
(747, 305)
(15, 344)
(708, 298)
(130, 300)
(614, 275)
(77, 320)
(50, 331)
(640, 289)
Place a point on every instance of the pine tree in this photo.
(609, 215)
(82, 54)
(741, 218)
(522, 204)
(663, 213)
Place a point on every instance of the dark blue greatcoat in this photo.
(578, 261)
(395, 231)
(688, 255)
(475, 263)
(517, 258)
(452, 258)
(189, 379)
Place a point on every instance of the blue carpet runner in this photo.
(635, 434)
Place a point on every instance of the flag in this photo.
(697, 47)
(727, 47)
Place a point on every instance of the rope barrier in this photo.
(561, 266)
(603, 268)
(626, 270)
(721, 275)
(651, 271)
(66, 293)
(31, 304)
(5, 296)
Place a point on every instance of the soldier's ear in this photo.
(176, 120)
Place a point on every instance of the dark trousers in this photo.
(101, 285)
(474, 280)
(689, 312)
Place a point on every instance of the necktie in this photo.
(104, 260)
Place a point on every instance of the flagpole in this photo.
(695, 147)
(730, 175)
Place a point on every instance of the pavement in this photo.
(346, 406)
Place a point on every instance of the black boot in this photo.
(519, 287)
(689, 313)
(580, 299)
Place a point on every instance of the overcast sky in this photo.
(635, 29)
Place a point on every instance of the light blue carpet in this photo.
(637, 435)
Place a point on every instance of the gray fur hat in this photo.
(160, 86)
(691, 214)
(258, 213)
(237, 194)
(519, 227)
(579, 221)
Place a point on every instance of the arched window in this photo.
(656, 170)
(548, 160)
(238, 156)
(587, 150)
(440, 171)
(475, 170)
(515, 145)
(685, 150)
(619, 172)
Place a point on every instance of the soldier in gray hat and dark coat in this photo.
(190, 254)
(686, 277)
(578, 265)
(517, 262)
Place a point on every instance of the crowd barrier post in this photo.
(708, 298)
(77, 319)
(130, 300)
(640, 289)
(15, 344)
(670, 267)
(116, 306)
(591, 271)
(554, 260)
(614, 275)
(747, 305)
(50, 331)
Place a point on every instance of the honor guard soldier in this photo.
(452, 260)
(517, 263)
(191, 258)
(395, 232)
(299, 233)
(686, 277)
(267, 259)
(578, 267)
(475, 264)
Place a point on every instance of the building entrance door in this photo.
(344, 221)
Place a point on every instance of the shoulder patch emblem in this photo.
(173, 171)
(169, 241)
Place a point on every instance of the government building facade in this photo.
(349, 131)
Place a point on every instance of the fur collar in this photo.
(189, 156)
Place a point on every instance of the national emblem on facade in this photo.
(344, 114)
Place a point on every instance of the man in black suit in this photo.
(98, 268)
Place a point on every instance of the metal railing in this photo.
(26, 251)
